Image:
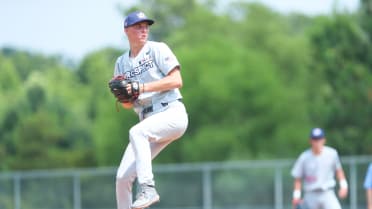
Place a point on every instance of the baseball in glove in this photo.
(124, 90)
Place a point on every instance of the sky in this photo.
(74, 28)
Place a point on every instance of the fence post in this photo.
(17, 191)
(76, 191)
(278, 191)
(207, 188)
(353, 184)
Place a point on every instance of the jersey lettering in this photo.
(142, 67)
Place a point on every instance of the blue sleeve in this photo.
(368, 179)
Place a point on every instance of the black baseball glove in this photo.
(118, 86)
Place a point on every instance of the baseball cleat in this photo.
(146, 196)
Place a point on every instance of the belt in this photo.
(151, 108)
(321, 190)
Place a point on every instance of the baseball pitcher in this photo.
(147, 78)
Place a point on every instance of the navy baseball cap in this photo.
(317, 133)
(136, 17)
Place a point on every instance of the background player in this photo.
(316, 168)
(163, 117)
(368, 186)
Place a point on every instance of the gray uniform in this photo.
(154, 61)
(163, 117)
(318, 175)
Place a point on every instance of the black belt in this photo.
(151, 108)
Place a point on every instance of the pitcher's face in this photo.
(138, 33)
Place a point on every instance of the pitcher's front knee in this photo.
(137, 132)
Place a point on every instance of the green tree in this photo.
(255, 82)
(109, 127)
(341, 82)
(239, 89)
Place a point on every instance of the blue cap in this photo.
(136, 17)
(317, 133)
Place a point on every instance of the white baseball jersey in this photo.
(317, 171)
(154, 61)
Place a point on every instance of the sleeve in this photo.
(117, 67)
(337, 161)
(297, 171)
(120, 65)
(368, 178)
(165, 58)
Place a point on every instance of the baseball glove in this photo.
(118, 86)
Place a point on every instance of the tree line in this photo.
(255, 82)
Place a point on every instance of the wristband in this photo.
(343, 183)
(296, 194)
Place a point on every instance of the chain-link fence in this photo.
(224, 185)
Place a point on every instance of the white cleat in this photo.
(146, 196)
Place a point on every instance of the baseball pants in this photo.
(147, 139)
(321, 200)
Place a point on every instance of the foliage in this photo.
(342, 81)
(255, 82)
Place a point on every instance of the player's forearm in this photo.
(171, 81)
(369, 198)
(297, 184)
(297, 189)
(343, 191)
(340, 174)
(341, 178)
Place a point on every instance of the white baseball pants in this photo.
(147, 139)
(321, 200)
